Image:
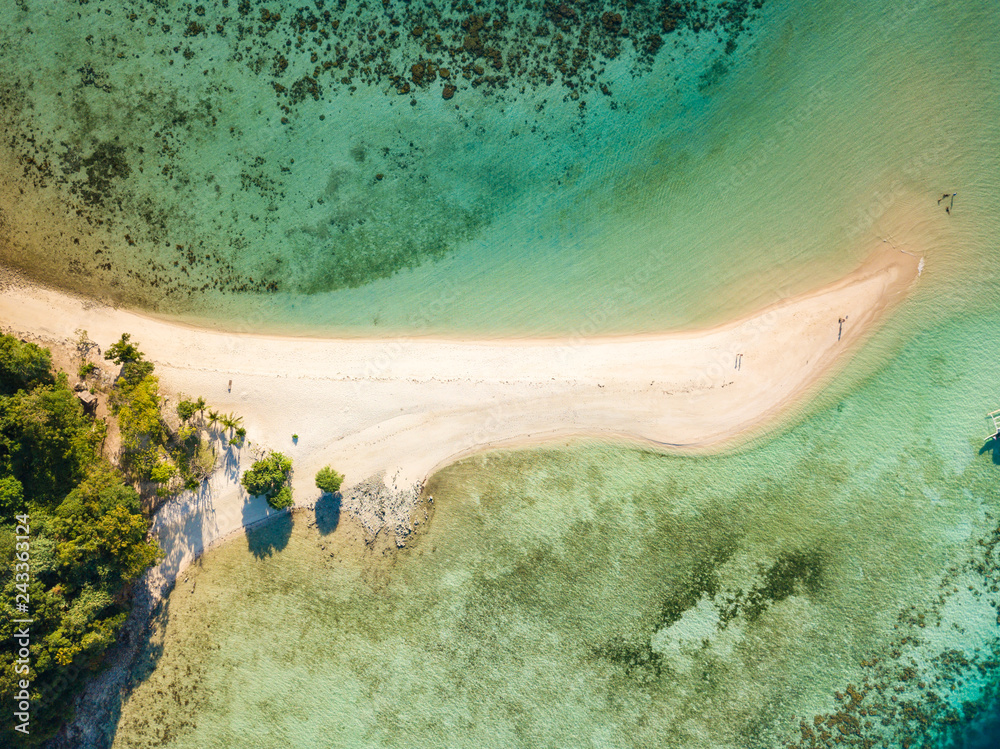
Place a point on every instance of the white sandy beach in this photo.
(410, 406)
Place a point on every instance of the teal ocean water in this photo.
(738, 165)
(839, 581)
(832, 584)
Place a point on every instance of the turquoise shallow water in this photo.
(200, 183)
(702, 188)
(834, 580)
(598, 596)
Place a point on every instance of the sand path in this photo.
(410, 406)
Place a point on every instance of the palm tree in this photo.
(214, 417)
(200, 406)
(238, 437)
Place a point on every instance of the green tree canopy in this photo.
(283, 499)
(141, 424)
(328, 480)
(87, 538)
(46, 441)
(133, 373)
(186, 409)
(267, 477)
(101, 532)
(163, 472)
(122, 351)
(11, 496)
(23, 366)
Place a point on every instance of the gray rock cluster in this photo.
(380, 508)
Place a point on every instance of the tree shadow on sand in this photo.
(328, 513)
(268, 535)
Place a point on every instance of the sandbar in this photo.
(405, 407)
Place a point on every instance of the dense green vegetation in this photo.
(86, 370)
(186, 410)
(328, 480)
(269, 477)
(22, 365)
(86, 532)
(123, 351)
(150, 450)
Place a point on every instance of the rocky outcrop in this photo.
(379, 508)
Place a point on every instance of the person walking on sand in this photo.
(841, 331)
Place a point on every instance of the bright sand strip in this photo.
(410, 406)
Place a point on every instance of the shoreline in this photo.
(389, 413)
(407, 407)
